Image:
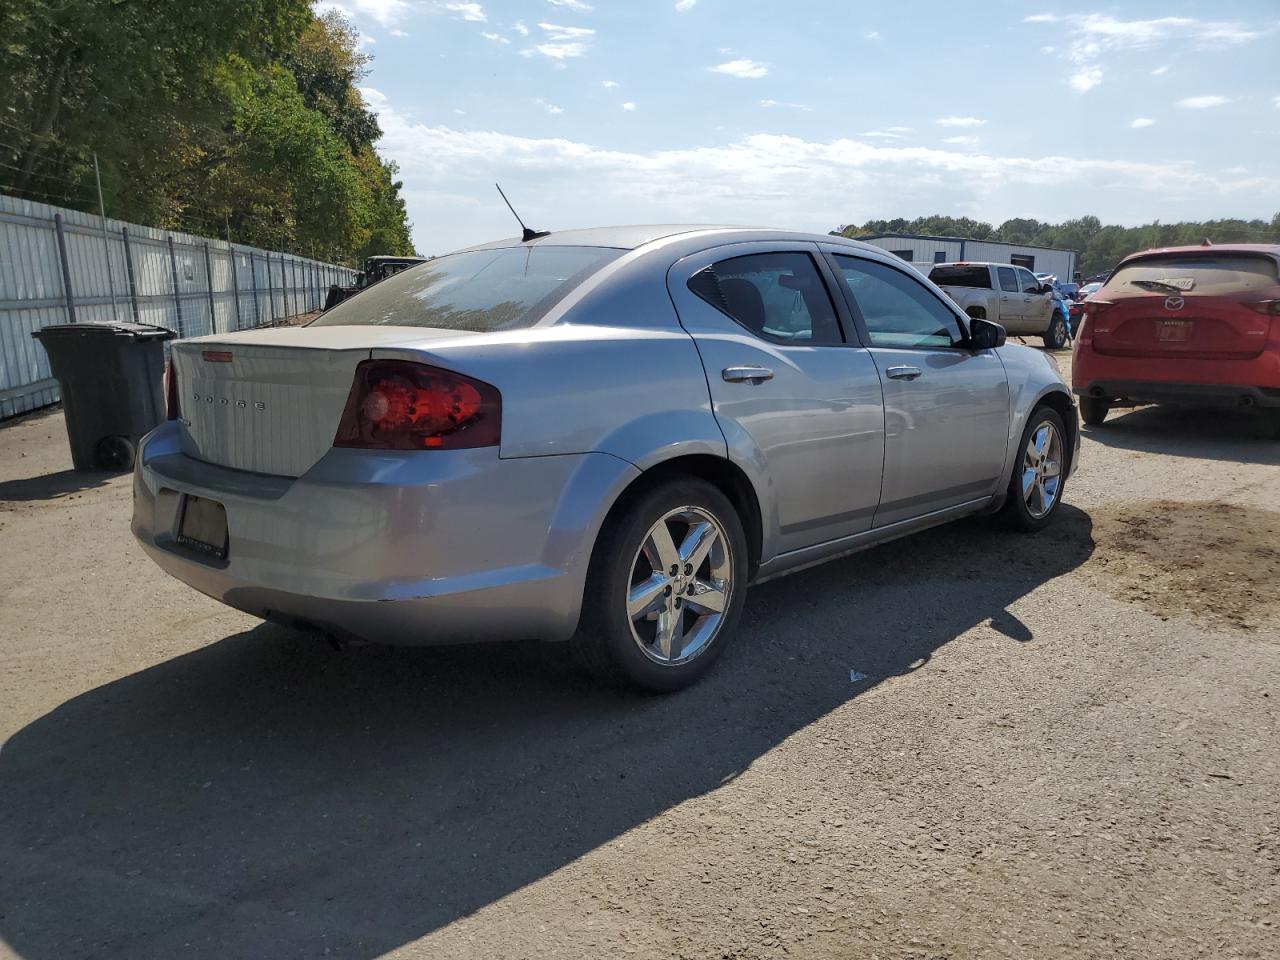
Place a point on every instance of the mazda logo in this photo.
(1174, 303)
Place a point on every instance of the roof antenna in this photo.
(528, 234)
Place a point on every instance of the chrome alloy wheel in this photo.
(1042, 470)
(679, 593)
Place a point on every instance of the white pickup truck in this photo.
(1011, 296)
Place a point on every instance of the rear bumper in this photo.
(1224, 383)
(1197, 394)
(436, 547)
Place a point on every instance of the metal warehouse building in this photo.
(924, 252)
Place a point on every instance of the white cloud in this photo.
(767, 104)
(1139, 123)
(609, 84)
(1086, 79)
(961, 141)
(743, 69)
(1236, 171)
(459, 111)
(471, 12)
(562, 43)
(1276, 101)
(398, 33)
(375, 98)
(1203, 103)
(549, 107)
(1099, 36)
(366, 40)
(495, 37)
(572, 5)
(1160, 71)
(684, 5)
(629, 107)
(872, 35)
(881, 134)
(1048, 49)
(520, 28)
(960, 122)
(383, 12)
(785, 180)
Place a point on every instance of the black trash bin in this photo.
(112, 380)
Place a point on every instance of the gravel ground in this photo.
(1063, 746)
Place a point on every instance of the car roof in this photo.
(632, 237)
(1272, 249)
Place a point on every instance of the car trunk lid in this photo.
(269, 401)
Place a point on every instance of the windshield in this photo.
(961, 276)
(1209, 274)
(479, 290)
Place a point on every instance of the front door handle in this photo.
(746, 374)
(1026, 299)
(903, 373)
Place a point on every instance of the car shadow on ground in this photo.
(265, 797)
(1187, 432)
(53, 485)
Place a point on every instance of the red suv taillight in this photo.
(402, 405)
(171, 409)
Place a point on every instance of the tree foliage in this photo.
(223, 116)
(1100, 247)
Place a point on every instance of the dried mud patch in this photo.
(1216, 562)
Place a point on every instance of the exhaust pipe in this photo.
(1096, 391)
(1246, 400)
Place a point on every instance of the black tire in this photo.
(115, 454)
(604, 642)
(1093, 410)
(1055, 338)
(1016, 513)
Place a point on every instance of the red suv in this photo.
(1187, 325)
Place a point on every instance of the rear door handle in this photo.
(746, 374)
(903, 373)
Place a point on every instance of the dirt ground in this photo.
(966, 744)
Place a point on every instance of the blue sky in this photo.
(814, 114)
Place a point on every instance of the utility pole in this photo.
(106, 244)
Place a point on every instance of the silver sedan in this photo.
(600, 436)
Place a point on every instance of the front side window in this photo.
(478, 290)
(898, 310)
(779, 296)
(1029, 282)
(1008, 279)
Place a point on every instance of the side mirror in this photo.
(985, 334)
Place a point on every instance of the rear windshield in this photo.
(479, 290)
(1208, 273)
(961, 276)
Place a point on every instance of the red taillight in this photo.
(171, 390)
(402, 405)
(1269, 307)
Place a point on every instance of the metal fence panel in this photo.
(192, 285)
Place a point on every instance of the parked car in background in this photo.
(1184, 325)
(1075, 309)
(1011, 296)
(600, 436)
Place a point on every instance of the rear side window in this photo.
(952, 276)
(1205, 274)
(478, 290)
(779, 296)
(1008, 279)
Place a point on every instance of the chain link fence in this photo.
(64, 266)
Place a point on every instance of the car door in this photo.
(946, 407)
(1037, 307)
(790, 393)
(1013, 313)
